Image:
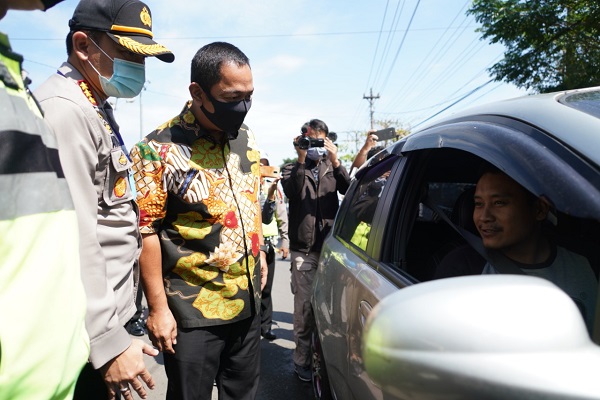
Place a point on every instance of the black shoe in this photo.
(269, 335)
(304, 373)
(135, 327)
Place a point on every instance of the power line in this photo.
(425, 66)
(270, 35)
(456, 102)
(389, 40)
(378, 40)
(401, 44)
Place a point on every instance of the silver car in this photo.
(388, 329)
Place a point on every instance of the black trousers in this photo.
(266, 303)
(90, 385)
(226, 354)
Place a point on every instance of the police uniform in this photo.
(96, 166)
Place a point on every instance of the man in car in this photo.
(511, 221)
(312, 184)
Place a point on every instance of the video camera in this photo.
(306, 142)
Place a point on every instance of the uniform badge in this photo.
(123, 159)
(145, 17)
(120, 187)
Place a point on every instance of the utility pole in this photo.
(371, 99)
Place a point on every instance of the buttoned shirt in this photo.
(202, 199)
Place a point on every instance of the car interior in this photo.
(449, 182)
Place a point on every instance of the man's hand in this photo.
(370, 142)
(264, 269)
(272, 190)
(332, 152)
(123, 372)
(284, 252)
(162, 330)
(301, 152)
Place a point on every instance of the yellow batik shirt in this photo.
(202, 199)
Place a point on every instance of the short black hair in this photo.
(374, 151)
(206, 64)
(304, 129)
(488, 168)
(318, 125)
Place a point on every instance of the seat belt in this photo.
(497, 260)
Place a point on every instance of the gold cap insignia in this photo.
(145, 17)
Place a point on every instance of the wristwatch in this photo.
(265, 248)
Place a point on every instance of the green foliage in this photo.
(550, 44)
(288, 161)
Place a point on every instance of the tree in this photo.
(550, 44)
(289, 160)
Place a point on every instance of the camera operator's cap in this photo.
(127, 22)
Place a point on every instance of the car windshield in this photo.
(588, 102)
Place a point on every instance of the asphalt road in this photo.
(277, 380)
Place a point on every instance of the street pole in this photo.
(371, 100)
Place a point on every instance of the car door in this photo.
(345, 267)
(409, 238)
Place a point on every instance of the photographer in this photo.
(311, 185)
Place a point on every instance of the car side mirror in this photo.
(486, 336)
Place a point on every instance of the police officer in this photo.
(107, 45)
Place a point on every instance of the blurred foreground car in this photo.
(387, 330)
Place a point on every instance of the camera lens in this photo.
(304, 143)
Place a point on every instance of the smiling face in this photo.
(506, 215)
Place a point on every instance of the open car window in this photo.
(433, 245)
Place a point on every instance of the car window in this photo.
(431, 239)
(586, 101)
(362, 203)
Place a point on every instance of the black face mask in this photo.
(50, 3)
(228, 117)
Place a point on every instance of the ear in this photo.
(80, 45)
(196, 92)
(542, 208)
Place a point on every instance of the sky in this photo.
(421, 59)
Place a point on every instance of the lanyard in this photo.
(109, 123)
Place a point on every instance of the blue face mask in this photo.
(127, 80)
(316, 153)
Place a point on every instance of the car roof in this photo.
(550, 113)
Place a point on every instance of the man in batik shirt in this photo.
(197, 178)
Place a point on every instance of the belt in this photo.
(268, 239)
